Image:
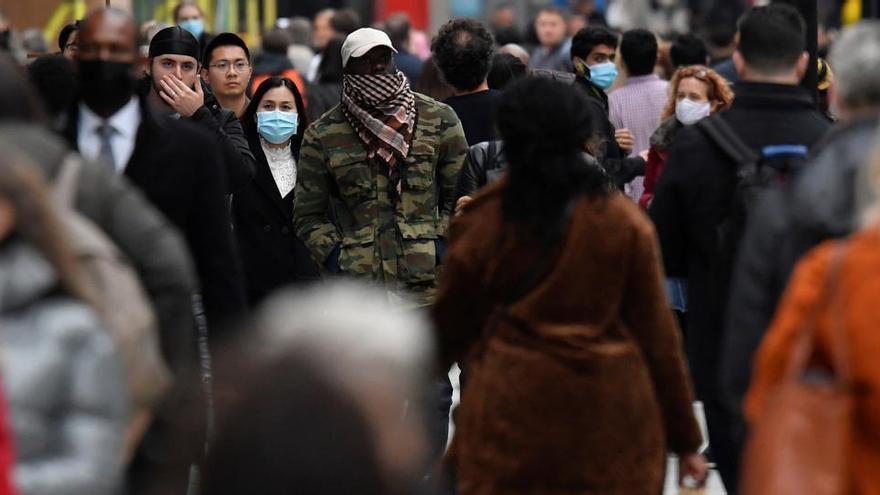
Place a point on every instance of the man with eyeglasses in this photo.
(227, 70)
(174, 86)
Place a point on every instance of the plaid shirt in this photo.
(637, 106)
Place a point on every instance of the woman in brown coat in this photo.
(552, 298)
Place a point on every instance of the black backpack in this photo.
(756, 173)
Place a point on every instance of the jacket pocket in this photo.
(418, 260)
(419, 199)
(356, 253)
(352, 173)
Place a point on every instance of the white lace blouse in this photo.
(282, 165)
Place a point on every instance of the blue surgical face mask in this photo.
(277, 126)
(603, 75)
(195, 26)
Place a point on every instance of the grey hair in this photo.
(300, 30)
(855, 59)
(351, 327)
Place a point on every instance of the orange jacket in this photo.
(857, 287)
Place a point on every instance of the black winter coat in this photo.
(692, 199)
(621, 169)
(231, 139)
(819, 205)
(177, 165)
(271, 253)
(483, 164)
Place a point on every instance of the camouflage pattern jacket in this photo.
(341, 199)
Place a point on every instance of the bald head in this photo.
(108, 34)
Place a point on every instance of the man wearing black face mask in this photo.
(387, 159)
(173, 162)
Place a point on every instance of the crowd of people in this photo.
(230, 269)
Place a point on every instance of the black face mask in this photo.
(105, 86)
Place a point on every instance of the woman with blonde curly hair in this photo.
(695, 93)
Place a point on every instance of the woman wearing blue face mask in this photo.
(189, 16)
(262, 212)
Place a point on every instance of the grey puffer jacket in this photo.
(63, 382)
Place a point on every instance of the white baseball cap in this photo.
(358, 43)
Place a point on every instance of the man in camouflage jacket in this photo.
(359, 215)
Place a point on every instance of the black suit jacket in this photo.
(178, 167)
(271, 253)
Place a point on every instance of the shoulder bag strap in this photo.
(720, 133)
(64, 189)
(805, 342)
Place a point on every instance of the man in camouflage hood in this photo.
(384, 162)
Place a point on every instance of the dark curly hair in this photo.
(463, 51)
(545, 124)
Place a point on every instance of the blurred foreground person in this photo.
(262, 213)
(825, 201)
(824, 335)
(7, 454)
(54, 79)
(555, 384)
(363, 418)
(62, 378)
(292, 430)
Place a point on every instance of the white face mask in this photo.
(689, 112)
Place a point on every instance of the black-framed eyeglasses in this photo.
(224, 65)
(72, 47)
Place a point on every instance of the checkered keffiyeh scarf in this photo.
(382, 110)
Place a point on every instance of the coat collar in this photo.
(771, 96)
(265, 181)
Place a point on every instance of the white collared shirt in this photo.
(125, 122)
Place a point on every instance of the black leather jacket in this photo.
(484, 164)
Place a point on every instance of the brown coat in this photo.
(857, 286)
(588, 397)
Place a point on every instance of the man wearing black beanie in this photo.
(175, 88)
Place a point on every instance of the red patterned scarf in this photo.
(382, 110)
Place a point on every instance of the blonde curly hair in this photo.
(718, 89)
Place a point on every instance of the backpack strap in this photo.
(720, 133)
(66, 182)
